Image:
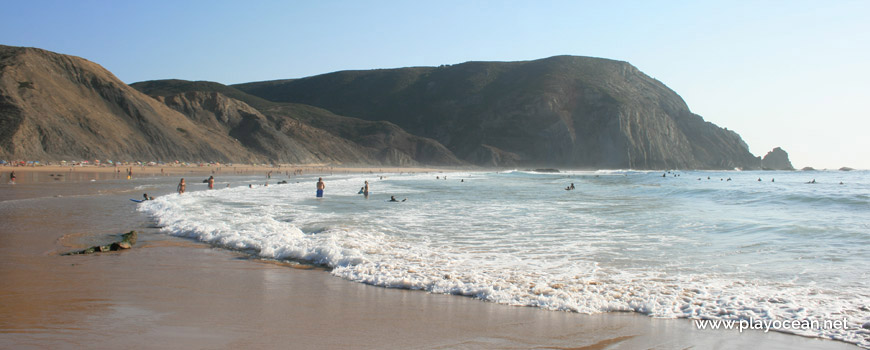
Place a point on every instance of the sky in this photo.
(790, 74)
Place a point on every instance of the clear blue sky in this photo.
(794, 74)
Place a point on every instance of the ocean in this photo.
(733, 245)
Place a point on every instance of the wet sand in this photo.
(169, 292)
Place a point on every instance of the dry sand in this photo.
(169, 292)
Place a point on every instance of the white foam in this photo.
(502, 251)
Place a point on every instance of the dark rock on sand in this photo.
(127, 241)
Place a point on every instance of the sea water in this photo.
(751, 246)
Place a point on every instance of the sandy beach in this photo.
(170, 292)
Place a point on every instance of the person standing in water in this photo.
(320, 187)
(181, 186)
(366, 190)
(12, 177)
(211, 182)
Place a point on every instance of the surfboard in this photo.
(137, 200)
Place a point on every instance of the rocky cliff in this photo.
(292, 133)
(777, 159)
(575, 112)
(561, 111)
(58, 107)
(55, 107)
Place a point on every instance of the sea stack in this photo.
(777, 159)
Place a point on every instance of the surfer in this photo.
(181, 186)
(320, 187)
(393, 199)
(211, 182)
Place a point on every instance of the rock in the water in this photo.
(777, 159)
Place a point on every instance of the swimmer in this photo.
(211, 182)
(393, 199)
(320, 187)
(181, 186)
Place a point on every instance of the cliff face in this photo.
(55, 107)
(564, 111)
(296, 133)
(561, 111)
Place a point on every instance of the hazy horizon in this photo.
(781, 74)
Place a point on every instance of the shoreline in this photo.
(55, 173)
(176, 293)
